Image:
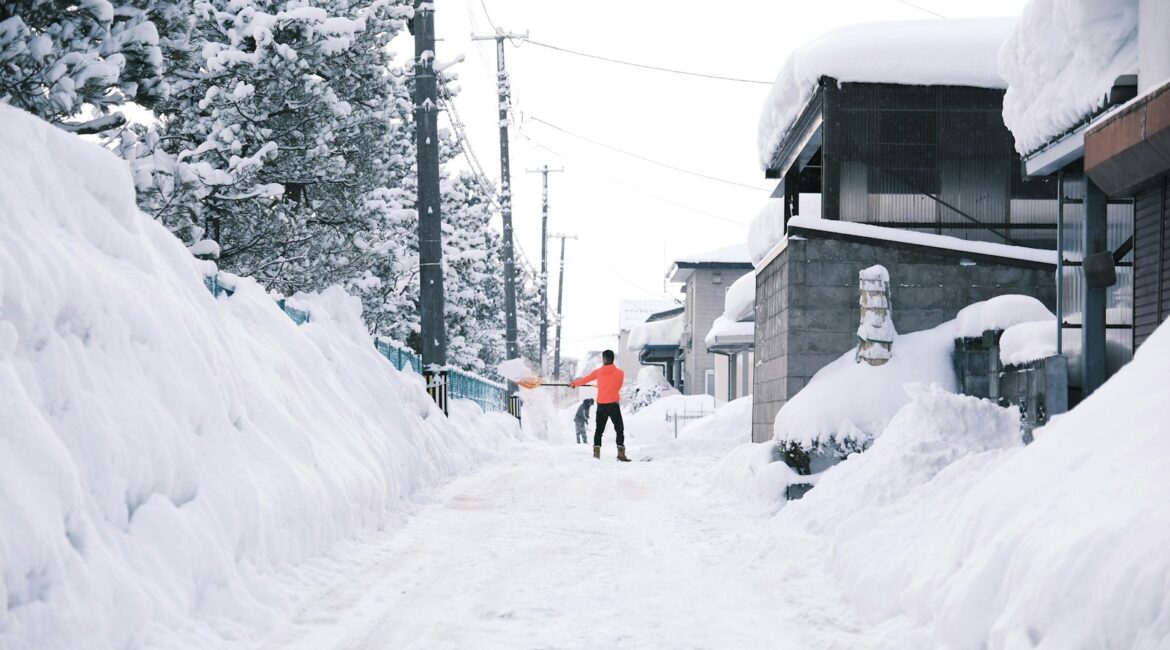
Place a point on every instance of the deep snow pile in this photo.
(955, 52)
(953, 534)
(1060, 62)
(163, 453)
(847, 401)
(656, 422)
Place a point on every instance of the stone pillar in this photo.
(876, 332)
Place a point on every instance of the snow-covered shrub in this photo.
(650, 387)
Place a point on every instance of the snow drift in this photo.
(164, 453)
(953, 534)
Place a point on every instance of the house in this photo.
(732, 339)
(1100, 122)
(630, 314)
(658, 342)
(895, 132)
(705, 279)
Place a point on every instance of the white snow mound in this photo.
(163, 453)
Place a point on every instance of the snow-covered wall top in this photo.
(659, 332)
(1060, 62)
(953, 52)
(944, 242)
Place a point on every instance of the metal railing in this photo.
(461, 384)
(686, 416)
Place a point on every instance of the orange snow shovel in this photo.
(535, 382)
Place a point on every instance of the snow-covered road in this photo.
(556, 550)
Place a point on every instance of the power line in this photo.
(633, 187)
(646, 66)
(911, 4)
(643, 158)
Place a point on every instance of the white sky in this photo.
(627, 238)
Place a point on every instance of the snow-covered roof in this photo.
(999, 313)
(953, 52)
(659, 332)
(1060, 62)
(724, 330)
(901, 236)
(734, 254)
(740, 301)
(633, 312)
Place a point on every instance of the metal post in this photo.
(433, 333)
(503, 87)
(1093, 317)
(560, 302)
(544, 171)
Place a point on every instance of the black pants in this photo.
(606, 412)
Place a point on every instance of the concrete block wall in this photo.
(807, 312)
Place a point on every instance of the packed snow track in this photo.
(557, 550)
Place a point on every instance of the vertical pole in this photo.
(511, 345)
(543, 267)
(1060, 202)
(433, 333)
(560, 302)
(1093, 318)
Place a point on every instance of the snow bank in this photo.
(754, 476)
(651, 424)
(164, 453)
(955, 52)
(730, 422)
(1060, 62)
(999, 313)
(966, 539)
(853, 401)
(668, 331)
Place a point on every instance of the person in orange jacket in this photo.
(609, 384)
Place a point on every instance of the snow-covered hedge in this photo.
(162, 452)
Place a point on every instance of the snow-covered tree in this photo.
(72, 63)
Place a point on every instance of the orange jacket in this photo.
(609, 383)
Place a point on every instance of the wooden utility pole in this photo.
(544, 171)
(433, 332)
(560, 302)
(503, 87)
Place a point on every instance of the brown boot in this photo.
(622, 455)
(597, 452)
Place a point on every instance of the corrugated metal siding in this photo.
(1151, 292)
(933, 159)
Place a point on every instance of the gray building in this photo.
(705, 279)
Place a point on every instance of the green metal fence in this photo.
(461, 384)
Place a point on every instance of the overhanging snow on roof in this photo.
(955, 52)
(1060, 62)
(727, 335)
(656, 333)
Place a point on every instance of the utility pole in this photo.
(503, 86)
(560, 301)
(433, 332)
(544, 171)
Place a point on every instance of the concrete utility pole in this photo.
(433, 332)
(511, 345)
(544, 171)
(560, 301)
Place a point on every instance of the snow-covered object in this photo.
(667, 331)
(950, 534)
(1026, 342)
(1060, 62)
(740, 301)
(734, 254)
(651, 385)
(515, 370)
(955, 52)
(999, 313)
(164, 453)
(753, 476)
(723, 328)
(928, 240)
(876, 329)
(849, 401)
